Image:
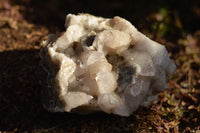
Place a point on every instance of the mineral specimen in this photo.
(102, 64)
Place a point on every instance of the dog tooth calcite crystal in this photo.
(101, 64)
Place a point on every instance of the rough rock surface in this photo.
(102, 64)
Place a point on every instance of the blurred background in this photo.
(179, 14)
(24, 24)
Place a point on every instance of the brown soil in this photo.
(25, 24)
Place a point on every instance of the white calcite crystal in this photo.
(102, 64)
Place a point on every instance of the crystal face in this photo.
(101, 64)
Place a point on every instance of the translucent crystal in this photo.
(101, 64)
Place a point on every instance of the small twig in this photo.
(8, 102)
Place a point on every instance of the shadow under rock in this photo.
(20, 104)
(19, 88)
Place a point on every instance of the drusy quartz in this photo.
(102, 64)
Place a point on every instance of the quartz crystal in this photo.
(102, 64)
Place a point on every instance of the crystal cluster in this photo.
(102, 64)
